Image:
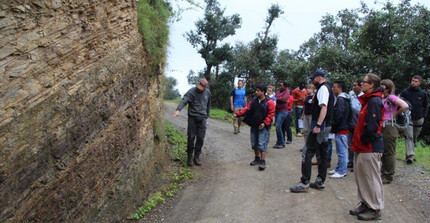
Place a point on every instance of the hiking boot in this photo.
(277, 146)
(197, 160)
(386, 181)
(299, 188)
(255, 162)
(190, 160)
(319, 185)
(410, 159)
(262, 165)
(370, 215)
(361, 209)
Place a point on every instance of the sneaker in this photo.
(255, 162)
(337, 175)
(299, 188)
(317, 185)
(360, 209)
(331, 172)
(370, 215)
(235, 132)
(288, 142)
(350, 165)
(299, 134)
(278, 146)
(262, 165)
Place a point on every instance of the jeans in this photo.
(350, 153)
(196, 129)
(280, 117)
(299, 112)
(329, 150)
(342, 154)
(259, 138)
(286, 127)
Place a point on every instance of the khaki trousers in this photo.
(367, 173)
(237, 121)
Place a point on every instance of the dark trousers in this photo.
(312, 148)
(286, 127)
(299, 112)
(196, 134)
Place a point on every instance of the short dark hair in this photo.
(261, 87)
(417, 77)
(359, 82)
(341, 84)
(284, 83)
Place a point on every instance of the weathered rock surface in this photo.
(78, 109)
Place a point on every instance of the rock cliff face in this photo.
(79, 111)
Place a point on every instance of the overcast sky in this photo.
(299, 22)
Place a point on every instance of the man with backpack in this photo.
(418, 99)
(259, 114)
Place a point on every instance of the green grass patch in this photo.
(422, 152)
(153, 17)
(177, 143)
(221, 115)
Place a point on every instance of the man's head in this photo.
(283, 85)
(302, 85)
(338, 87)
(356, 86)
(260, 90)
(370, 83)
(318, 77)
(239, 84)
(202, 85)
(416, 81)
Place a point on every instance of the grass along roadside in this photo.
(177, 143)
(422, 153)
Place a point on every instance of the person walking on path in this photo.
(339, 127)
(259, 114)
(198, 99)
(322, 115)
(281, 113)
(393, 106)
(418, 99)
(355, 109)
(368, 145)
(238, 101)
(299, 95)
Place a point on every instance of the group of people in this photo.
(363, 122)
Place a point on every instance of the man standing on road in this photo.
(237, 103)
(322, 115)
(259, 114)
(418, 99)
(299, 95)
(198, 100)
(282, 97)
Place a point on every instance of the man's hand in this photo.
(234, 116)
(176, 114)
(316, 130)
(261, 126)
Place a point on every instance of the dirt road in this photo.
(228, 189)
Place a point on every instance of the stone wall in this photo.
(78, 109)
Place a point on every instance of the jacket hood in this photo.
(344, 95)
(379, 92)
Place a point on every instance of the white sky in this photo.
(299, 22)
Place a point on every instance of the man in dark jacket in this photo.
(198, 99)
(339, 126)
(418, 99)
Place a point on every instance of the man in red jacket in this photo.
(259, 114)
(368, 145)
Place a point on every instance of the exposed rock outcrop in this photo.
(78, 109)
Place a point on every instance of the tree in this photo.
(169, 90)
(209, 33)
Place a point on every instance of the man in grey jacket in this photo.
(198, 99)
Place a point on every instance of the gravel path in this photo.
(228, 189)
